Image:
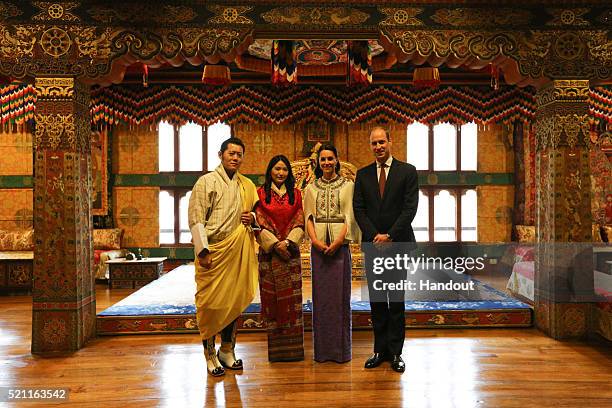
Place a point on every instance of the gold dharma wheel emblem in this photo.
(568, 46)
(55, 11)
(401, 17)
(568, 17)
(129, 216)
(55, 42)
(230, 14)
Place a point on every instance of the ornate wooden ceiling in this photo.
(97, 40)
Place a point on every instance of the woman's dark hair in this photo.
(318, 170)
(232, 140)
(289, 182)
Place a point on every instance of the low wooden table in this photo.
(16, 271)
(134, 274)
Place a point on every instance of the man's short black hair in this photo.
(232, 140)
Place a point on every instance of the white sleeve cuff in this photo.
(199, 237)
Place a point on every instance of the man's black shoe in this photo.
(397, 364)
(375, 360)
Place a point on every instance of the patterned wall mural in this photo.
(136, 211)
(16, 154)
(16, 208)
(134, 150)
(495, 149)
(495, 205)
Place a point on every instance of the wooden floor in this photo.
(445, 368)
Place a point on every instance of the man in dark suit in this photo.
(385, 203)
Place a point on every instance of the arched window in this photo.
(420, 224)
(418, 146)
(187, 149)
(215, 135)
(445, 147)
(445, 216)
(469, 216)
(469, 137)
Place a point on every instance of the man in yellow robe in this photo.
(220, 220)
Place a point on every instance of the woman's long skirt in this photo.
(331, 298)
(280, 286)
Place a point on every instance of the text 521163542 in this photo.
(8, 394)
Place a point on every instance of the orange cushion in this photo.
(107, 238)
(22, 240)
(526, 233)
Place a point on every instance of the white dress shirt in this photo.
(388, 166)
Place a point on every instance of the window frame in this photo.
(177, 147)
(456, 191)
(178, 191)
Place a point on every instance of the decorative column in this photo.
(564, 269)
(64, 307)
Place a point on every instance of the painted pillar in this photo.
(564, 266)
(64, 306)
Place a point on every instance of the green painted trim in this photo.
(165, 180)
(140, 180)
(168, 252)
(443, 178)
(451, 178)
(16, 182)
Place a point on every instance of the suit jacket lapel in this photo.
(374, 180)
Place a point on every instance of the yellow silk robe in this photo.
(229, 286)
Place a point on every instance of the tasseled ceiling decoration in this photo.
(359, 63)
(494, 69)
(145, 75)
(136, 105)
(17, 106)
(284, 63)
(426, 77)
(216, 75)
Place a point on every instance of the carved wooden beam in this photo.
(96, 41)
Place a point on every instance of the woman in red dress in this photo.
(280, 215)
